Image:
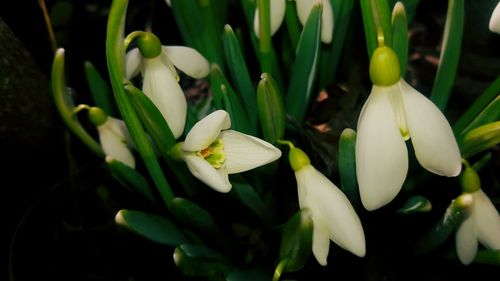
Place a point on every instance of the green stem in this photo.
(115, 54)
(279, 269)
(65, 109)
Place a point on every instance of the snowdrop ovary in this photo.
(149, 45)
(384, 67)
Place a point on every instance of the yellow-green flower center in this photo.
(214, 153)
(384, 67)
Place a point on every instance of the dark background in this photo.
(58, 202)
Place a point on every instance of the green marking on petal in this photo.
(214, 153)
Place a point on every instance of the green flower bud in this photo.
(384, 67)
(298, 159)
(470, 181)
(149, 45)
(97, 116)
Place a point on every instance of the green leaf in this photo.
(99, 89)
(115, 56)
(194, 216)
(130, 178)
(239, 72)
(292, 23)
(490, 114)
(376, 15)
(488, 256)
(271, 110)
(305, 66)
(152, 119)
(400, 36)
(480, 139)
(296, 241)
(450, 54)
(331, 53)
(251, 199)
(225, 98)
(249, 275)
(416, 204)
(347, 166)
(445, 226)
(152, 227)
(66, 107)
(199, 261)
(488, 96)
(265, 43)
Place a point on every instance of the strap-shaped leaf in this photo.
(99, 89)
(480, 139)
(376, 14)
(296, 241)
(130, 177)
(200, 261)
(450, 54)
(239, 72)
(400, 36)
(271, 109)
(305, 66)
(152, 227)
(416, 204)
(194, 216)
(347, 166)
(251, 199)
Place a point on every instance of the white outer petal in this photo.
(495, 20)
(330, 208)
(202, 170)
(304, 9)
(327, 22)
(381, 154)
(205, 131)
(487, 221)
(166, 94)
(112, 136)
(133, 63)
(277, 14)
(435, 145)
(320, 241)
(466, 240)
(188, 60)
(245, 152)
(168, 3)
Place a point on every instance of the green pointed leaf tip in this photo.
(193, 216)
(296, 240)
(347, 165)
(480, 139)
(99, 89)
(400, 35)
(271, 109)
(416, 204)
(200, 261)
(152, 227)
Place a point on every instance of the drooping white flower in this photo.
(495, 19)
(212, 152)
(481, 224)
(333, 216)
(114, 137)
(395, 112)
(277, 13)
(160, 78)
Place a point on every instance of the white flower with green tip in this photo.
(277, 13)
(160, 78)
(212, 152)
(333, 216)
(395, 112)
(114, 137)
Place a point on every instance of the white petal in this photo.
(487, 221)
(188, 60)
(381, 155)
(495, 20)
(466, 241)
(245, 152)
(435, 145)
(134, 62)
(168, 3)
(327, 22)
(277, 14)
(331, 206)
(304, 9)
(205, 131)
(112, 136)
(161, 87)
(320, 242)
(202, 170)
